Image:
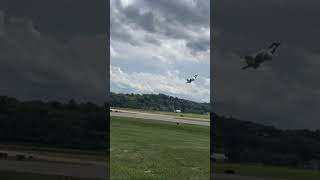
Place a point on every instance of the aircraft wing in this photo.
(245, 67)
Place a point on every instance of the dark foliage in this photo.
(69, 125)
(244, 141)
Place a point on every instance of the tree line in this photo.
(56, 124)
(157, 102)
(244, 141)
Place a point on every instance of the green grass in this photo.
(268, 171)
(156, 150)
(18, 176)
(190, 115)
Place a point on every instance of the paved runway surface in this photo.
(39, 157)
(237, 177)
(51, 165)
(53, 168)
(160, 117)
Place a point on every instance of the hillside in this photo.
(157, 102)
(245, 141)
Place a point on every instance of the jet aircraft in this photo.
(191, 79)
(255, 60)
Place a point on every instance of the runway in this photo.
(238, 177)
(49, 165)
(57, 169)
(39, 157)
(160, 117)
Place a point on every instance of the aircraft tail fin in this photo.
(274, 46)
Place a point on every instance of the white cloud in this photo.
(113, 53)
(126, 3)
(170, 83)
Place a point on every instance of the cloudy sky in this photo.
(285, 92)
(54, 50)
(155, 45)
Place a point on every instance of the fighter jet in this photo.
(254, 61)
(192, 79)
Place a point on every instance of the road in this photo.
(58, 169)
(51, 165)
(238, 177)
(160, 117)
(39, 157)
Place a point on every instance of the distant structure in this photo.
(218, 157)
(177, 111)
(312, 165)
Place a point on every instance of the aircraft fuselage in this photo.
(256, 60)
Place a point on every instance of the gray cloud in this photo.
(284, 92)
(184, 12)
(162, 18)
(199, 45)
(152, 40)
(61, 19)
(37, 66)
(145, 20)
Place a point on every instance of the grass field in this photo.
(190, 115)
(18, 176)
(268, 171)
(156, 150)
